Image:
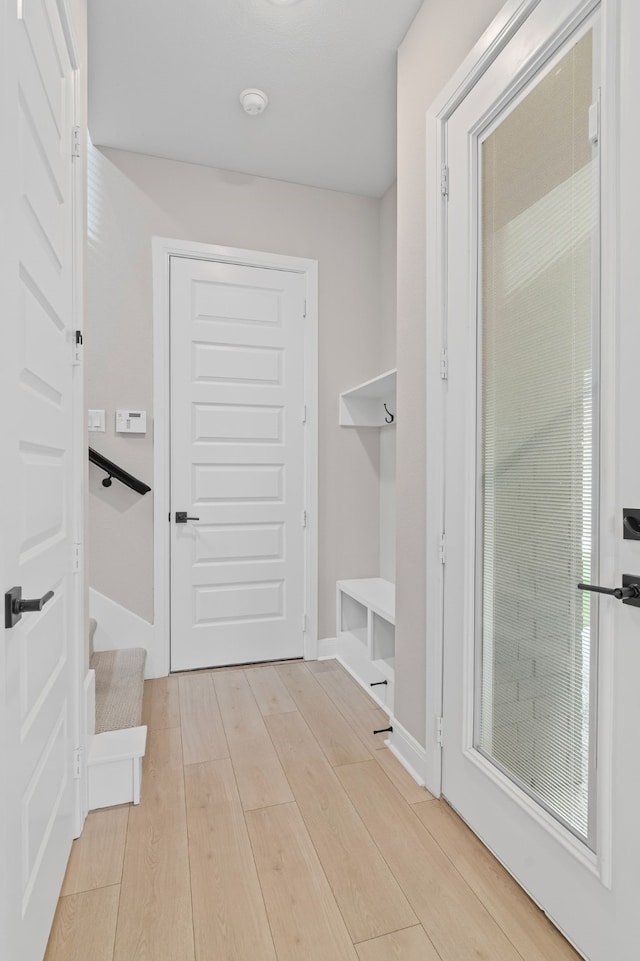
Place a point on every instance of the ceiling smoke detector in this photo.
(253, 101)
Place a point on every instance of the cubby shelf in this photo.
(363, 406)
(365, 634)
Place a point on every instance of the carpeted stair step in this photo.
(119, 687)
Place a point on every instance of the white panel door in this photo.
(237, 463)
(38, 694)
(539, 757)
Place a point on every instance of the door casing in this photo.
(163, 249)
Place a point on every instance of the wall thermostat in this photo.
(131, 421)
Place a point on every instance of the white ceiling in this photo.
(165, 78)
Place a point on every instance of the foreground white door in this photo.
(237, 463)
(38, 658)
(541, 710)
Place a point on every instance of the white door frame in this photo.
(163, 249)
(83, 725)
(493, 41)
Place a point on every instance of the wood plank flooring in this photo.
(223, 871)
(274, 827)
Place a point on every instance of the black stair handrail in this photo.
(116, 472)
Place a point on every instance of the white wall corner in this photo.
(327, 647)
(410, 753)
(120, 629)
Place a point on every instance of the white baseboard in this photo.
(88, 712)
(402, 745)
(114, 767)
(89, 706)
(327, 648)
(355, 661)
(408, 751)
(120, 629)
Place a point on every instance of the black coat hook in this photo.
(390, 419)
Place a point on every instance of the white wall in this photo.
(388, 298)
(388, 276)
(388, 503)
(134, 197)
(442, 34)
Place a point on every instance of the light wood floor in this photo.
(274, 826)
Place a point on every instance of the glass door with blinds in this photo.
(524, 466)
(537, 358)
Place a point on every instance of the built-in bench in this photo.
(365, 635)
(117, 746)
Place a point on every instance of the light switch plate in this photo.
(97, 421)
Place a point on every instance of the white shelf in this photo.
(359, 636)
(373, 592)
(368, 653)
(363, 406)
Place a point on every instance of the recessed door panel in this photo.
(238, 364)
(228, 543)
(237, 389)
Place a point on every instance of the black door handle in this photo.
(618, 592)
(15, 605)
(181, 517)
(629, 593)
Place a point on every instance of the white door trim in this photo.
(79, 467)
(80, 477)
(493, 41)
(163, 249)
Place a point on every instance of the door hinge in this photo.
(304, 518)
(594, 121)
(78, 758)
(444, 364)
(304, 414)
(77, 347)
(304, 623)
(444, 180)
(440, 731)
(443, 548)
(305, 308)
(75, 141)
(76, 557)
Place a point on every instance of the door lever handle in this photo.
(181, 517)
(27, 604)
(629, 593)
(618, 592)
(15, 605)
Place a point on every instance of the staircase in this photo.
(114, 764)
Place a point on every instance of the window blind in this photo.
(536, 441)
